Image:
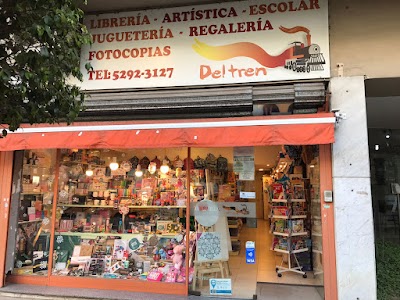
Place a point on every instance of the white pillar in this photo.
(354, 227)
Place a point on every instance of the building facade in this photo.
(183, 70)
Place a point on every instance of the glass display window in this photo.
(119, 216)
(35, 210)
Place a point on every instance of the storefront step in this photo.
(25, 291)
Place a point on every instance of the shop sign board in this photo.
(220, 286)
(250, 252)
(220, 43)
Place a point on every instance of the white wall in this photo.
(354, 229)
(364, 36)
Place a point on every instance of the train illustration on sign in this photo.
(298, 57)
(304, 58)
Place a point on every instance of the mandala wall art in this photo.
(209, 246)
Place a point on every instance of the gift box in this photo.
(155, 276)
(66, 225)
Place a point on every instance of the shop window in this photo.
(121, 214)
(35, 210)
(385, 183)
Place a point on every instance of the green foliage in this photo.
(40, 42)
(388, 270)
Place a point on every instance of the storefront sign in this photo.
(220, 286)
(221, 43)
(206, 213)
(250, 252)
(243, 162)
(247, 195)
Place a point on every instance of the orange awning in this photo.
(228, 132)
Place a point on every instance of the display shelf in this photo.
(32, 193)
(279, 200)
(291, 252)
(79, 162)
(279, 217)
(298, 217)
(155, 206)
(299, 233)
(281, 233)
(298, 200)
(85, 206)
(316, 233)
(91, 236)
(129, 206)
(285, 200)
(289, 217)
(316, 217)
(28, 222)
(317, 251)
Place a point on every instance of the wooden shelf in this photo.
(85, 206)
(27, 222)
(111, 206)
(91, 236)
(32, 193)
(317, 251)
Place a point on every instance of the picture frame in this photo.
(162, 227)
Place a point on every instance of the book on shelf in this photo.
(277, 191)
(298, 191)
(298, 243)
(281, 210)
(279, 226)
(296, 226)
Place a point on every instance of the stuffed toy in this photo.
(177, 258)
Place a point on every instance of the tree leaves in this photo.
(40, 52)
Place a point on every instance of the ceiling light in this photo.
(376, 147)
(164, 168)
(139, 172)
(152, 168)
(388, 133)
(260, 170)
(114, 165)
(89, 171)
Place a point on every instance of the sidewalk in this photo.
(25, 291)
(264, 292)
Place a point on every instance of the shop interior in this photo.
(122, 214)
